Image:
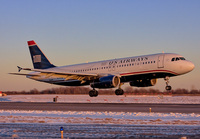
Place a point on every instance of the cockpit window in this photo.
(177, 58)
(182, 58)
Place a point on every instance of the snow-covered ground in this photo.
(104, 99)
(90, 117)
(90, 124)
(79, 124)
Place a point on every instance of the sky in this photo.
(77, 31)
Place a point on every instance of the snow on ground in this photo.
(104, 99)
(90, 124)
(90, 117)
(81, 117)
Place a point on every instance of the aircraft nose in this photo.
(191, 66)
(186, 67)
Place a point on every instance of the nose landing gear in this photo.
(168, 87)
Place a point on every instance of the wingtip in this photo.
(31, 43)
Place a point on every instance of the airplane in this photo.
(139, 71)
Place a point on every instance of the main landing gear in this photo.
(168, 87)
(119, 91)
(93, 93)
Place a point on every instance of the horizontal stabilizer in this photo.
(23, 74)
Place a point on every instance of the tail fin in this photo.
(39, 60)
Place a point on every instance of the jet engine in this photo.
(143, 83)
(110, 81)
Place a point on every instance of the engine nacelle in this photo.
(110, 81)
(143, 83)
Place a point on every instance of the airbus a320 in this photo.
(139, 71)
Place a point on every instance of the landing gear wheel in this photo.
(93, 93)
(96, 93)
(168, 88)
(119, 92)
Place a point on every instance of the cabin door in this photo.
(161, 61)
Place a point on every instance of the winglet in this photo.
(31, 43)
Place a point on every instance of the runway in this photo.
(101, 107)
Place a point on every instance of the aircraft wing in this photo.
(57, 71)
(60, 74)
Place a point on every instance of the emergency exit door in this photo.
(161, 61)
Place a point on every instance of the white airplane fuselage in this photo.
(129, 69)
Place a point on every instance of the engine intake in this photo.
(110, 81)
(143, 83)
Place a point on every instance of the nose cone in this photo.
(184, 67)
(189, 66)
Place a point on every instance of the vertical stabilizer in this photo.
(39, 60)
